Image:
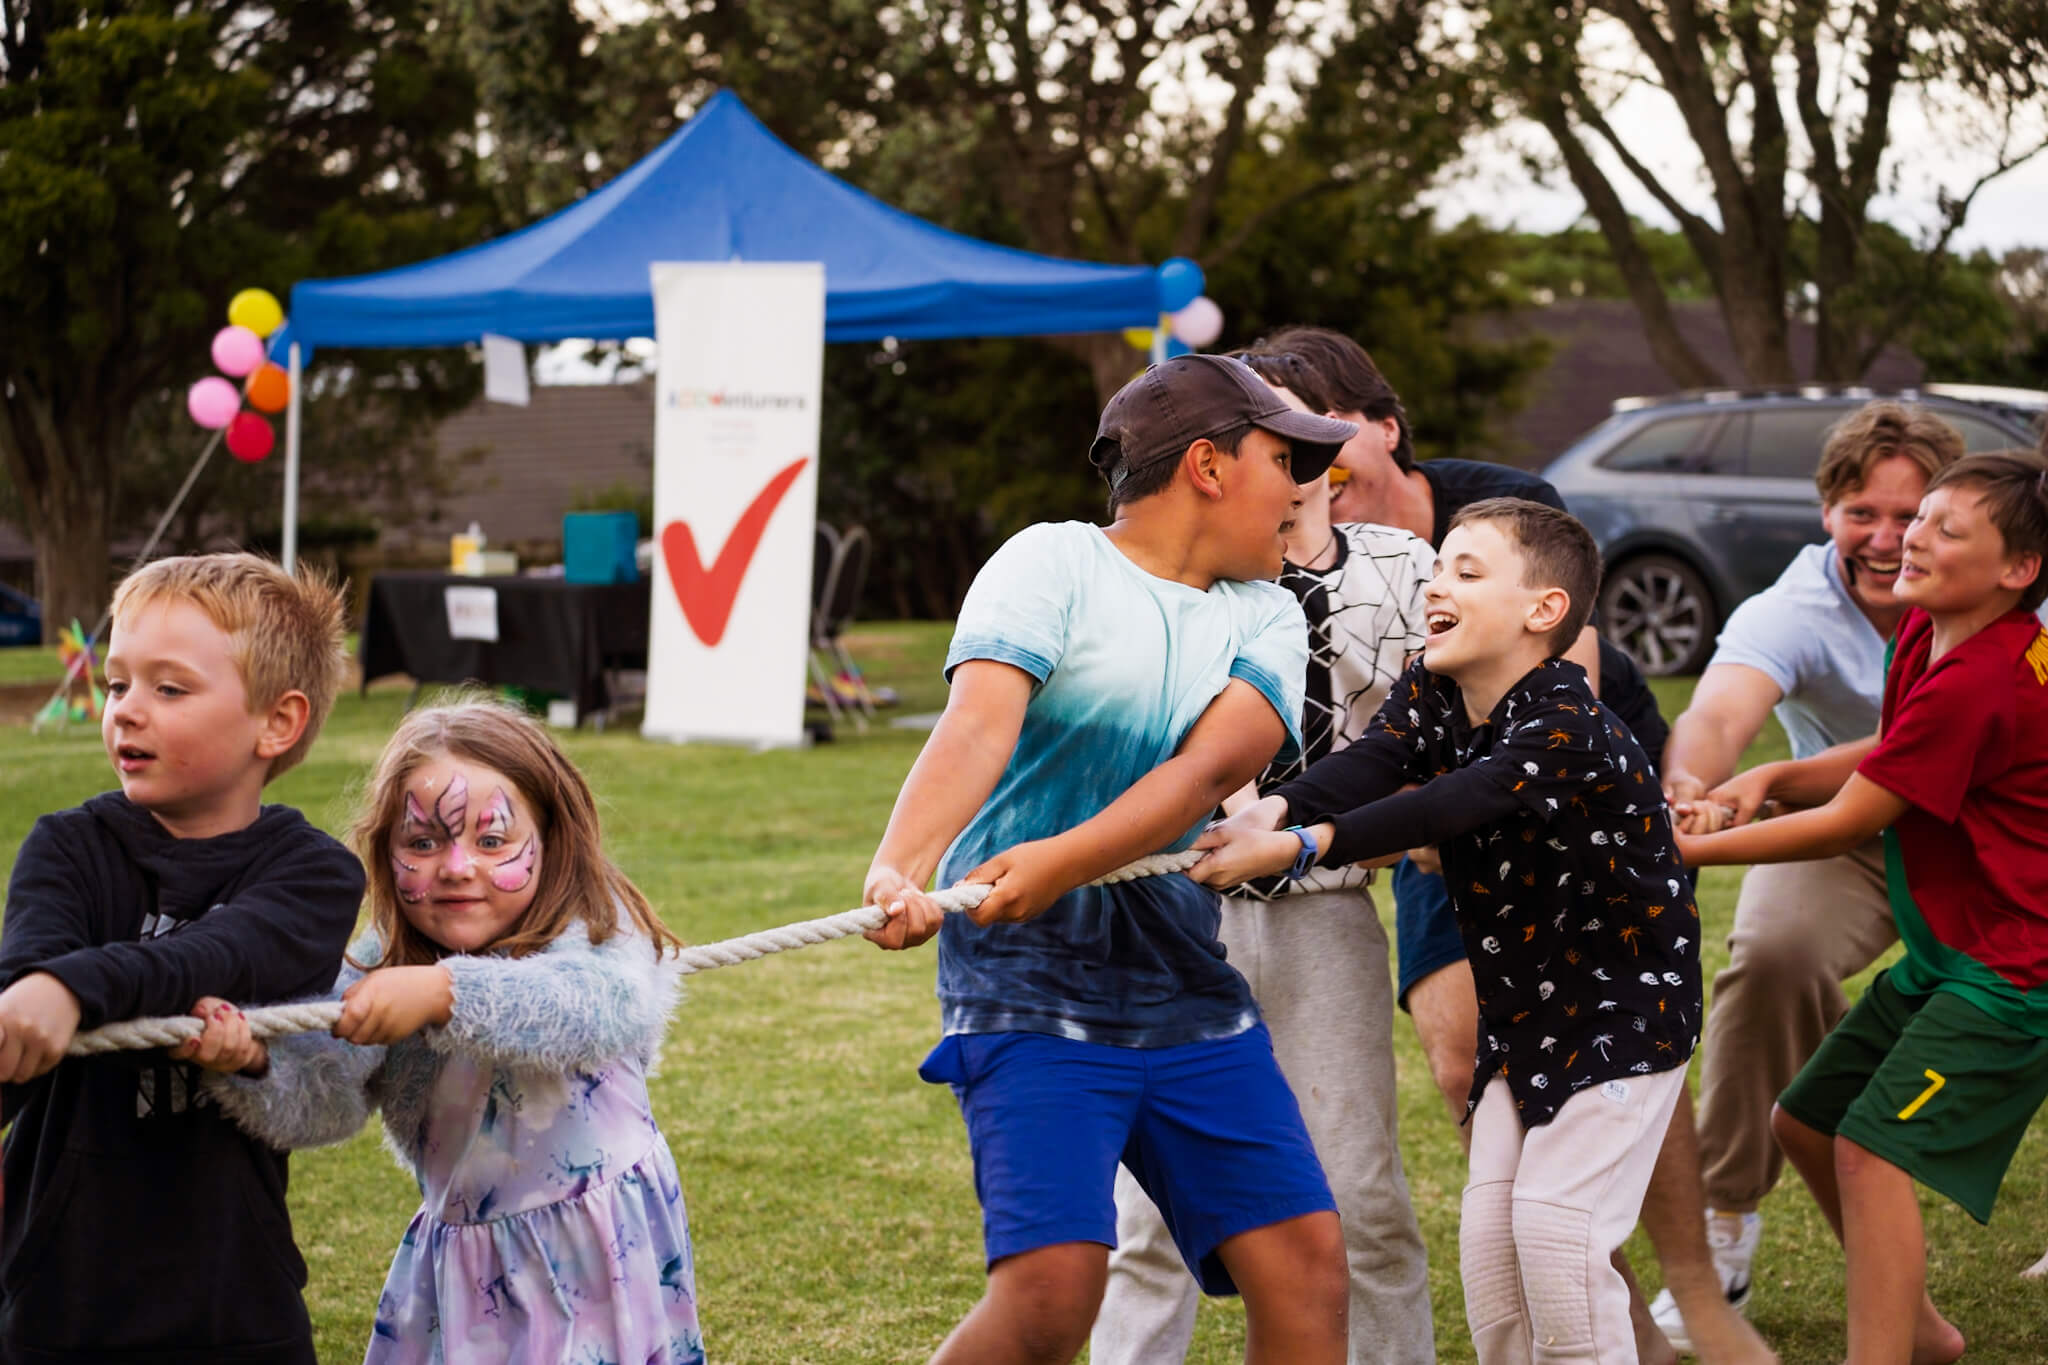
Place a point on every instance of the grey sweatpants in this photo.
(1317, 964)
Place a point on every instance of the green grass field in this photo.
(829, 1189)
(30, 665)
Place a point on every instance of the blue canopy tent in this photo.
(723, 188)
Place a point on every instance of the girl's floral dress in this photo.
(551, 1226)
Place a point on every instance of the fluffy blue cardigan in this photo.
(573, 1005)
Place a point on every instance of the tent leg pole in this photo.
(291, 468)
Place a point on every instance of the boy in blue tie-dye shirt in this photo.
(1109, 687)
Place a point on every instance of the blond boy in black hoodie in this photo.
(139, 1223)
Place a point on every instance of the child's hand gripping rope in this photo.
(276, 1020)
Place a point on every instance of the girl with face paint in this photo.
(502, 1010)
(465, 872)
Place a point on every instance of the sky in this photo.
(1493, 184)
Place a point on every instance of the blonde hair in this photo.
(577, 880)
(1877, 431)
(285, 634)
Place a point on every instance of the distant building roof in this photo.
(1602, 352)
(536, 460)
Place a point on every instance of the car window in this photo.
(1670, 446)
(1979, 434)
(1785, 443)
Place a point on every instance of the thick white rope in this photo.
(277, 1020)
(270, 1022)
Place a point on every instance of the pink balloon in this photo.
(213, 402)
(1200, 323)
(237, 350)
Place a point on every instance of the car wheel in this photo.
(1660, 611)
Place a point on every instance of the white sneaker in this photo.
(1732, 1238)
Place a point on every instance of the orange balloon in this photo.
(270, 388)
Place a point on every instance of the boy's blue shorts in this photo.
(1210, 1129)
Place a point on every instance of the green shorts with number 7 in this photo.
(1931, 1084)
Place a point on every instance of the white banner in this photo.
(741, 374)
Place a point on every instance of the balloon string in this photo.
(91, 641)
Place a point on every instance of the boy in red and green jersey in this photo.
(1965, 745)
(1937, 1071)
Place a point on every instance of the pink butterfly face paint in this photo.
(452, 810)
(497, 815)
(464, 878)
(410, 879)
(516, 872)
(513, 872)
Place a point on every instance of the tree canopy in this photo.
(1067, 128)
(155, 157)
(1790, 108)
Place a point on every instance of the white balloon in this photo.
(1199, 324)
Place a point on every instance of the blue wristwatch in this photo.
(1305, 859)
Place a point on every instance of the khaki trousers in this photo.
(1317, 964)
(1544, 1210)
(1801, 929)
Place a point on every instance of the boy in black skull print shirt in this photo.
(1582, 931)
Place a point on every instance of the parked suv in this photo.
(1701, 499)
(21, 619)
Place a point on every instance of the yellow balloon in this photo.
(1138, 338)
(256, 309)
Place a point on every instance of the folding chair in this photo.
(842, 600)
(825, 560)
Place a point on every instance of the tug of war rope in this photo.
(274, 1021)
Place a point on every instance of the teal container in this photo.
(597, 547)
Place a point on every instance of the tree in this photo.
(1576, 263)
(944, 448)
(1789, 108)
(1066, 127)
(1976, 319)
(1061, 128)
(157, 155)
(1991, 325)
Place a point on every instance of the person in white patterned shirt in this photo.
(1315, 954)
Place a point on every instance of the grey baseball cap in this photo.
(1172, 405)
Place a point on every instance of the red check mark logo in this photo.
(707, 595)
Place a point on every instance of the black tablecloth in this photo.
(553, 636)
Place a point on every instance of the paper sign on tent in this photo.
(505, 376)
